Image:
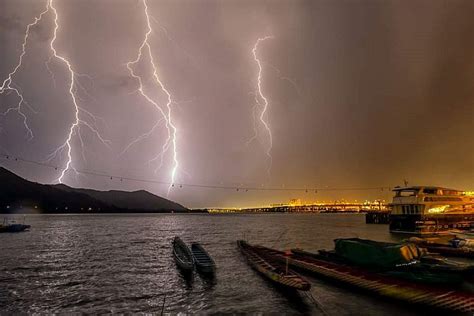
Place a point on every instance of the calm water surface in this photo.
(123, 263)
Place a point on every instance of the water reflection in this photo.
(124, 263)
(187, 277)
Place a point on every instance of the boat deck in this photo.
(202, 259)
(273, 270)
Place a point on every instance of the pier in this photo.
(377, 217)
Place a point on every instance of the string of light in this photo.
(194, 185)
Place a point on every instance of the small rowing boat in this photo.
(12, 227)
(182, 255)
(202, 259)
(272, 270)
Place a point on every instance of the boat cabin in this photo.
(418, 200)
(419, 209)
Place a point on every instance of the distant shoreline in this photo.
(31, 212)
(198, 211)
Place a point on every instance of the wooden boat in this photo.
(452, 252)
(182, 255)
(431, 269)
(371, 253)
(12, 227)
(202, 259)
(444, 247)
(436, 297)
(404, 260)
(272, 270)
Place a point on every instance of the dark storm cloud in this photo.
(384, 92)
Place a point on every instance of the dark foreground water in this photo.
(123, 263)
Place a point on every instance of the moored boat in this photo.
(371, 253)
(272, 270)
(182, 255)
(202, 259)
(436, 297)
(395, 260)
(406, 260)
(12, 227)
(428, 210)
(452, 247)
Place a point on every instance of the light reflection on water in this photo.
(123, 263)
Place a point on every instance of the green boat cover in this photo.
(377, 254)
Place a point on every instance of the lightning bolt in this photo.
(261, 102)
(285, 78)
(164, 111)
(75, 128)
(7, 85)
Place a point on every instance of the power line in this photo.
(193, 185)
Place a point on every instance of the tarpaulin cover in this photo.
(376, 254)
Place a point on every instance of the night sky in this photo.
(361, 94)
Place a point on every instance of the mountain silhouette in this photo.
(135, 200)
(18, 195)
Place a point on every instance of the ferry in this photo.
(429, 210)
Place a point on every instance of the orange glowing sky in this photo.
(360, 93)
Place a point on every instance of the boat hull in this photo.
(182, 255)
(270, 271)
(435, 297)
(203, 261)
(444, 248)
(430, 224)
(14, 228)
(205, 269)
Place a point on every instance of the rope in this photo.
(316, 302)
(191, 185)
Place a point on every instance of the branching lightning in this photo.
(75, 128)
(285, 78)
(8, 86)
(261, 104)
(165, 111)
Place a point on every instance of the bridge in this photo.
(309, 208)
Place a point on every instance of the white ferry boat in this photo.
(431, 210)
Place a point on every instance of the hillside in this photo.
(18, 195)
(136, 200)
